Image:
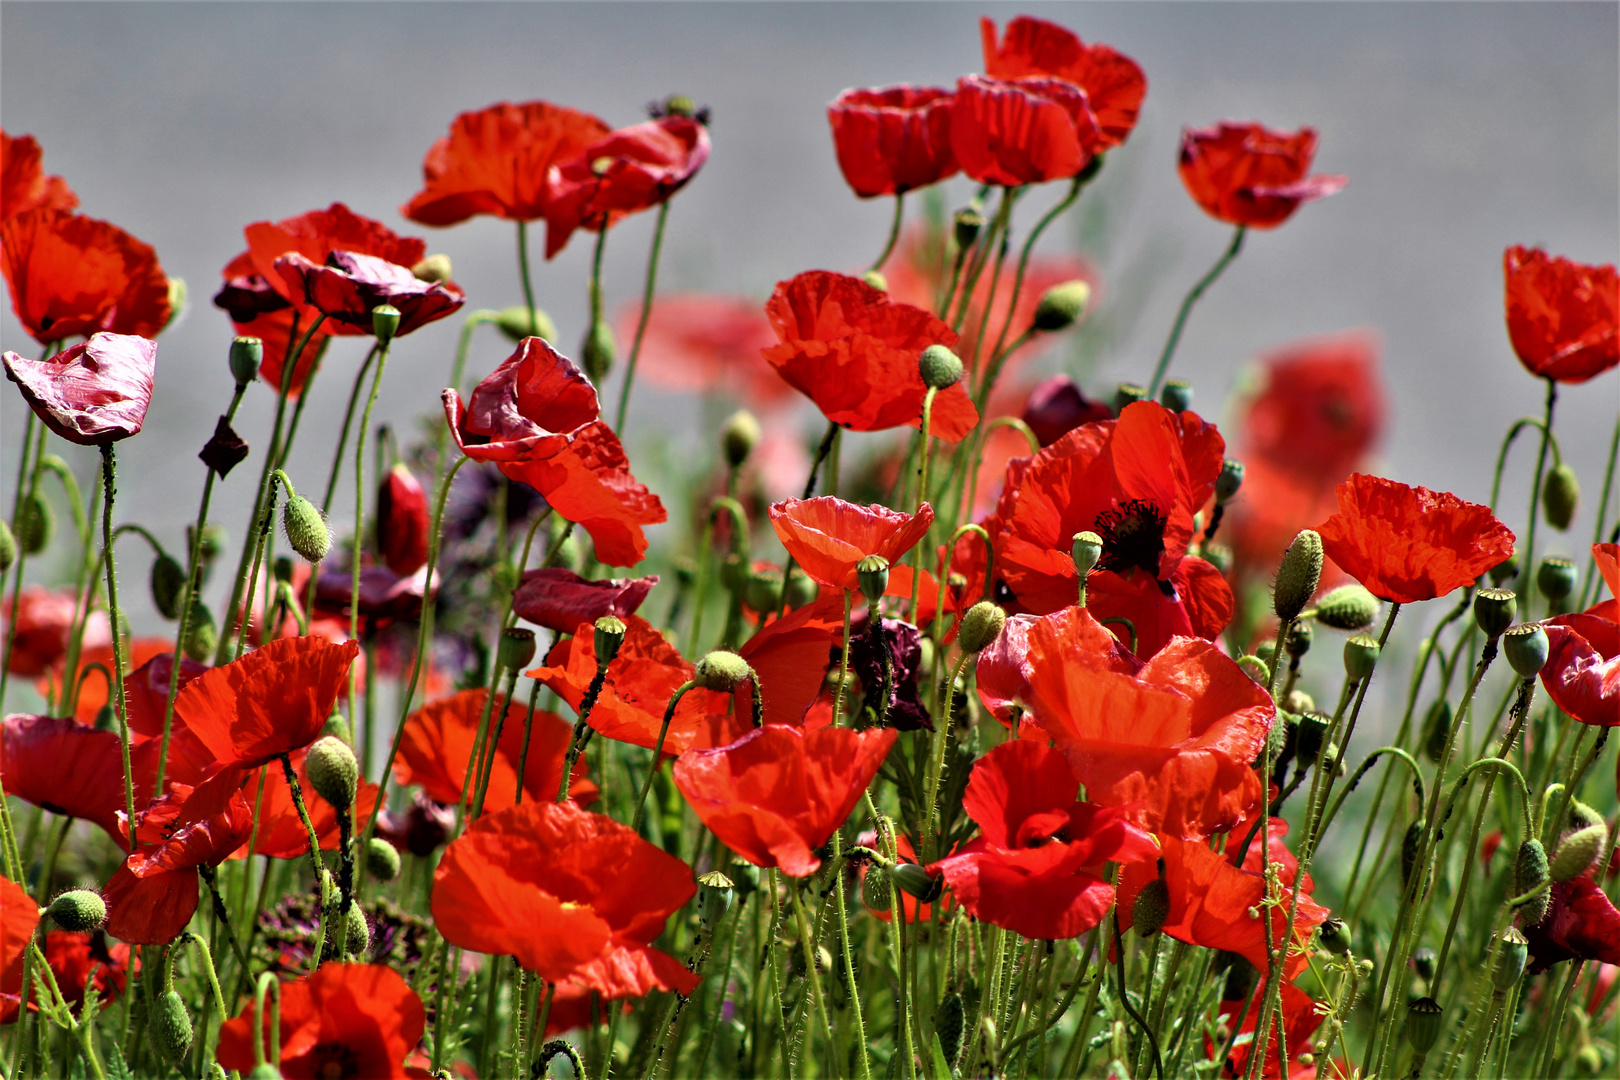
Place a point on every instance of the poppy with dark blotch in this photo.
(827, 536)
(1299, 1020)
(536, 417)
(1561, 314)
(402, 521)
(559, 599)
(348, 285)
(571, 895)
(630, 170)
(437, 745)
(19, 918)
(23, 183)
(1002, 669)
(343, 1022)
(1172, 742)
(1406, 544)
(280, 833)
(73, 276)
(45, 619)
(1036, 866)
(1113, 82)
(893, 139)
(1581, 924)
(777, 794)
(495, 161)
(93, 394)
(1022, 131)
(702, 342)
(73, 955)
(915, 909)
(853, 351)
(1247, 174)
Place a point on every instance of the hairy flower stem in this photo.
(1527, 564)
(1192, 297)
(658, 753)
(1589, 590)
(919, 552)
(646, 314)
(360, 520)
(317, 952)
(109, 471)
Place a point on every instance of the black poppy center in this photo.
(335, 1061)
(1132, 535)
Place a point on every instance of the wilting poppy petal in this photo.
(1056, 407)
(890, 652)
(73, 276)
(348, 285)
(559, 599)
(23, 183)
(892, 140)
(630, 170)
(1246, 174)
(93, 394)
(1113, 82)
(1580, 678)
(1023, 131)
(1561, 315)
(828, 536)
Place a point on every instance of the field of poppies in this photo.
(982, 747)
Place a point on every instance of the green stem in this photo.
(523, 272)
(360, 522)
(894, 232)
(1527, 566)
(658, 752)
(120, 707)
(1187, 305)
(316, 953)
(1589, 590)
(646, 314)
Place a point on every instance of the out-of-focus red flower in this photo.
(1320, 408)
(73, 276)
(348, 285)
(438, 744)
(93, 394)
(894, 139)
(1171, 743)
(706, 343)
(1581, 923)
(19, 918)
(402, 521)
(1299, 1019)
(1056, 407)
(1406, 544)
(45, 619)
(344, 1021)
(384, 595)
(1002, 670)
(536, 418)
(281, 833)
(1607, 557)
(67, 768)
(853, 351)
(1582, 672)
(495, 161)
(93, 684)
(23, 183)
(631, 170)
(572, 895)
(559, 599)
(1035, 867)
(828, 536)
(1561, 315)
(1023, 131)
(72, 955)
(1273, 505)
(1114, 84)
(1246, 174)
(778, 793)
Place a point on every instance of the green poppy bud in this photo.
(515, 324)
(1128, 394)
(872, 574)
(940, 367)
(715, 891)
(609, 635)
(168, 1027)
(598, 351)
(1589, 1059)
(516, 648)
(78, 910)
(875, 890)
(1525, 647)
(1510, 958)
(1494, 610)
(1530, 871)
(1423, 961)
(382, 859)
(1555, 577)
(1256, 669)
(247, 353)
(1298, 576)
(36, 523)
(914, 880)
(168, 581)
(1560, 495)
(1228, 481)
(1577, 850)
(1297, 642)
(333, 771)
(1062, 305)
(1423, 1018)
(1177, 396)
(763, 591)
(384, 322)
(266, 1071)
(433, 268)
(305, 528)
(801, 590)
(1349, 607)
(744, 876)
(106, 718)
(948, 1023)
(1152, 907)
(722, 671)
(1360, 657)
(202, 636)
(967, 225)
(1299, 703)
(980, 626)
(739, 436)
(1436, 730)
(1334, 934)
(1409, 849)
(876, 279)
(1086, 549)
(1309, 736)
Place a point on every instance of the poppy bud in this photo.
(1349, 607)
(967, 224)
(940, 367)
(432, 268)
(1436, 730)
(1062, 305)
(384, 322)
(1298, 576)
(1423, 1024)
(8, 547)
(1409, 848)
(1086, 549)
(1589, 1059)
(738, 437)
(306, 530)
(36, 523)
(106, 718)
(598, 350)
(1127, 394)
(1581, 816)
(801, 590)
(202, 636)
(948, 1019)
(1312, 732)
(914, 880)
(1560, 495)
(1297, 642)
(609, 635)
(714, 897)
(333, 771)
(876, 279)
(872, 573)
(514, 323)
(1229, 481)
(247, 353)
(1494, 610)
(1506, 570)
(168, 1026)
(1510, 958)
(1256, 669)
(382, 859)
(1152, 907)
(1577, 850)
(875, 891)
(283, 569)
(1423, 961)
(1177, 396)
(516, 648)
(168, 581)
(1555, 577)
(1299, 703)
(1530, 871)
(722, 671)
(1334, 934)
(1360, 657)
(763, 591)
(980, 626)
(1525, 647)
(78, 910)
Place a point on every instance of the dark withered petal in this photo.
(225, 451)
(866, 658)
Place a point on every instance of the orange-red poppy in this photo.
(1247, 174)
(1114, 84)
(1001, 672)
(281, 833)
(1022, 131)
(1561, 315)
(67, 768)
(1406, 544)
(19, 918)
(571, 895)
(778, 793)
(23, 183)
(45, 619)
(708, 343)
(828, 536)
(559, 599)
(1582, 672)
(73, 276)
(348, 285)
(1581, 924)
(627, 171)
(894, 139)
(94, 393)
(402, 521)
(72, 956)
(1299, 1019)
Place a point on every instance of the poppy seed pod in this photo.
(1086, 549)
(202, 636)
(872, 574)
(433, 268)
(1258, 671)
(168, 581)
(598, 351)
(715, 891)
(609, 635)
(1506, 570)
(980, 626)
(333, 771)
(1152, 907)
(516, 648)
(168, 1026)
(967, 225)
(36, 523)
(1229, 480)
(1560, 495)
(1494, 610)
(1334, 934)
(1525, 647)
(1555, 577)
(1577, 850)
(1360, 656)
(1436, 730)
(305, 528)
(78, 910)
(8, 547)
(1062, 305)
(1423, 1018)
(1423, 961)
(1128, 394)
(382, 859)
(1298, 576)
(246, 354)
(940, 367)
(1530, 871)
(1177, 396)
(384, 322)
(1349, 607)
(913, 880)
(876, 279)
(1510, 958)
(738, 437)
(722, 671)
(514, 322)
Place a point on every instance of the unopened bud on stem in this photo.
(1298, 576)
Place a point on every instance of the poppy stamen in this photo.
(1132, 535)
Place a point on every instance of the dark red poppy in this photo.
(1561, 315)
(93, 394)
(45, 619)
(348, 285)
(1581, 923)
(1022, 131)
(495, 161)
(74, 276)
(1036, 866)
(853, 351)
(631, 170)
(19, 918)
(559, 599)
(571, 895)
(438, 743)
(536, 417)
(1246, 174)
(384, 595)
(402, 521)
(23, 183)
(146, 689)
(1057, 406)
(778, 793)
(828, 536)
(1299, 1019)
(1406, 544)
(1114, 84)
(72, 957)
(1002, 670)
(892, 140)
(1582, 672)
(889, 653)
(701, 342)
(280, 833)
(344, 1022)
(257, 310)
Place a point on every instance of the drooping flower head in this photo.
(1561, 315)
(348, 285)
(1247, 174)
(93, 394)
(629, 170)
(1113, 82)
(828, 536)
(23, 183)
(894, 139)
(73, 276)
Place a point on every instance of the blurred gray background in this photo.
(1463, 128)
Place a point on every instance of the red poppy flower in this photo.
(19, 918)
(1002, 670)
(73, 770)
(281, 833)
(44, 623)
(73, 955)
(93, 394)
(1406, 544)
(1582, 672)
(384, 595)
(73, 276)
(23, 183)
(1057, 406)
(631, 170)
(1035, 867)
(559, 599)
(93, 684)
(535, 417)
(402, 521)
(699, 342)
(1561, 315)
(257, 310)
(1320, 408)
(438, 744)
(1581, 923)
(1114, 84)
(495, 161)
(828, 536)
(1299, 1019)
(1246, 174)
(853, 351)
(348, 285)
(1023, 131)
(1607, 557)
(572, 895)
(1172, 742)
(778, 793)
(892, 140)
(344, 1022)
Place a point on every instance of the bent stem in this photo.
(1187, 305)
(894, 232)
